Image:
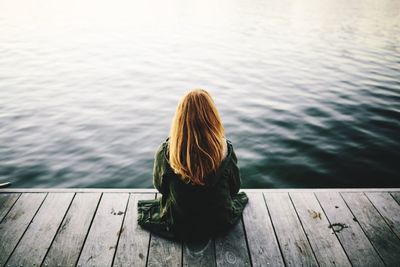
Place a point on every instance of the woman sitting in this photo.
(196, 172)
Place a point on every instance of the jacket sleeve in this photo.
(159, 170)
(234, 177)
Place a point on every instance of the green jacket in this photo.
(187, 211)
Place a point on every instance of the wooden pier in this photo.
(303, 227)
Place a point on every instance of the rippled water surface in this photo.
(309, 91)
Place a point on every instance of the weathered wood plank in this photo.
(6, 202)
(70, 237)
(150, 190)
(134, 241)
(388, 208)
(351, 236)
(164, 252)
(199, 253)
(102, 238)
(77, 190)
(263, 246)
(396, 196)
(382, 238)
(326, 246)
(37, 239)
(295, 247)
(231, 248)
(17, 220)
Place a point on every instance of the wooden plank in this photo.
(70, 237)
(151, 190)
(231, 248)
(382, 238)
(163, 252)
(101, 241)
(6, 202)
(17, 220)
(388, 208)
(37, 239)
(357, 246)
(78, 190)
(396, 196)
(295, 247)
(134, 241)
(263, 246)
(199, 253)
(326, 246)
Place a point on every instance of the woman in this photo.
(196, 172)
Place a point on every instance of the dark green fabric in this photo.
(187, 211)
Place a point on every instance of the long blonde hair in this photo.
(196, 140)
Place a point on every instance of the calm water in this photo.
(309, 91)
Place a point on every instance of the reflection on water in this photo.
(309, 91)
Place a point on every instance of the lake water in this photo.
(309, 91)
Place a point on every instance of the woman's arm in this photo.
(234, 179)
(159, 170)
